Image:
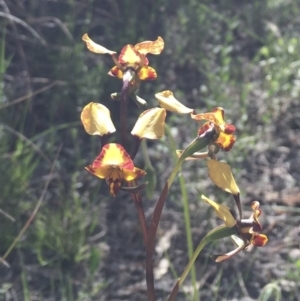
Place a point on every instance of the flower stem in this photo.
(123, 112)
(154, 224)
(139, 207)
(196, 145)
(215, 234)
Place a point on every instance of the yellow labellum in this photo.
(96, 119)
(220, 174)
(167, 100)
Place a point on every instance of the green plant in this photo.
(115, 161)
(214, 56)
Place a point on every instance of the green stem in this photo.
(196, 145)
(154, 224)
(215, 234)
(187, 219)
(160, 203)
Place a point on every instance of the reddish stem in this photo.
(123, 112)
(151, 239)
(139, 207)
(149, 268)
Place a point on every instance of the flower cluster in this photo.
(115, 162)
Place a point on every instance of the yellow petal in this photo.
(115, 155)
(216, 116)
(115, 164)
(129, 57)
(220, 174)
(96, 119)
(147, 72)
(223, 212)
(102, 172)
(167, 100)
(150, 124)
(219, 115)
(153, 47)
(129, 175)
(94, 47)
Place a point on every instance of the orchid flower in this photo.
(115, 166)
(219, 132)
(224, 132)
(247, 230)
(131, 58)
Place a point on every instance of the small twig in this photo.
(7, 215)
(24, 24)
(14, 20)
(58, 22)
(29, 95)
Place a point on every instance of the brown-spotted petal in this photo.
(114, 154)
(220, 174)
(147, 73)
(129, 175)
(115, 173)
(115, 166)
(129, 57)
(94, 47)
(153, 47)
(96, 119)
(167, 100)
(150, 124)
(216, 116)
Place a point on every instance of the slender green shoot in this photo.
(187, 219)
